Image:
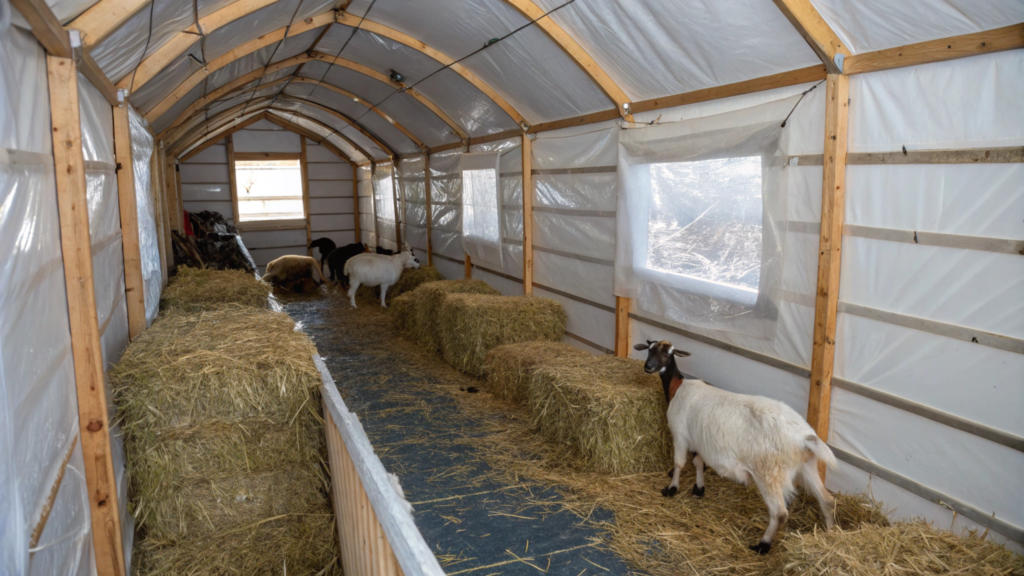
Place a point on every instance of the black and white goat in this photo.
(744, 438)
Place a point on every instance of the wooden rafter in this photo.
(238, 52)
(387, 150)
(188, 134)
(317, 138)
(104, 17)
(833, 192)
(576, 52)
(1007, 38)
(809, 23)
(220, 135)
(126, 195)
(406, 40)
(184, 40)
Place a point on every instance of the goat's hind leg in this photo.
(812, 483)
(352, 292)
(775, 498)
(681, 453)
(698, 487)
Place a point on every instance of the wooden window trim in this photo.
(266, 225)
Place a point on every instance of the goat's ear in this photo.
(641, 347)
(681, 353)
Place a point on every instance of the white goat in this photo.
(377, 270)
(744, 438)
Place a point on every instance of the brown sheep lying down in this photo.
(294, 272)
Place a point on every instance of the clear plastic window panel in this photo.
(269, 190)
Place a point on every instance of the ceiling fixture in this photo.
(396, 77)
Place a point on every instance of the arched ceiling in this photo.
(472, 69)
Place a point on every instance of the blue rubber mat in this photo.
(475, 524)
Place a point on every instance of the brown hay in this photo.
(470, 325)
(198, 289)
(430, 296)
(410, 280)
(904, 548)
(605, 411)
(510, 367)
(224, 444)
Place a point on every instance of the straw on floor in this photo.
(224, 445)
(196, 289)
(509, 368)
(470, 325)
(418, 313)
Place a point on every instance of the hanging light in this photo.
(396, 77)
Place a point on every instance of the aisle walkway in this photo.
(476, 525)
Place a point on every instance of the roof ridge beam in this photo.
(818, 34)
(574, 51)
(995, 40)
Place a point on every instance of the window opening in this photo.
(269, 190)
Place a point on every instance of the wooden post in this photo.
(73, 207)
(231, 179)
(304, 168)
(527, 215)
(469, 267)
(178, 196)
(134, 292)
(172, 199)
(355, 201)
(622, 326)
(833, 191)
(394, 197)
(430, 212)
(165, 203)
(158, 211)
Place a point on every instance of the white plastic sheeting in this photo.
(142, 35)
(367, 218)
(481, 207)
(38, 406)
(149, 247)
(384, 205)
(701, 238)
(446, 204)
(97, 120)
(414, 203)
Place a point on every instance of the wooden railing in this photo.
(376, 532)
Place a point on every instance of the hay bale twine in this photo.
(430, 297)
(510, 367)
(470, 325)
(198, 289)
(606, 412)
(224, 445)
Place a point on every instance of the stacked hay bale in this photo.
(417, 313)
(411, 279)
(470, 325)
(224, 444)
(195, 289)
(510, 368)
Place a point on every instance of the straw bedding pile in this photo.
(224, 445)
(418, 313)
(605, 411)
(510, 368)
(196, 289)
(410, 280)
(470, 325)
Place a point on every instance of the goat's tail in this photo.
(345, 269)
(820, 450)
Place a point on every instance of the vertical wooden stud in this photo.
(158, 211)
(304, 169)
(178, 196)
(395, 188)
(172, 198)
(469, 267)
(622, 326)
(73, 208)
(134, 292)
(232, 178)
(355, 201)
(430, 211)
(833, 191)
(527, 149)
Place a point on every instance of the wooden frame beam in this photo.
(576, 52)
(211, 123)
(622, 326)
(384, 147)
(527, 153)
(1007, 38)
(819, 36)
(318, 139)
(833, 192)
(103, 17)
(239, 51)
(430, 212)
(133, 286)
(221, 133)
(304, 170)
(86, 350)
(362, 102)
(406, 40)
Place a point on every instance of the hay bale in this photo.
(429, 297)
(403, 311)
(470, 325)
(903, 548)
(410, 279)
(198, 289)
(224, 444)
(509, 368)
(606, 412)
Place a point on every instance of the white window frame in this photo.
(271, 224)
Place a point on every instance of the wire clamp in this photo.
(839, 58)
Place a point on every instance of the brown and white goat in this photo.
(744, 438)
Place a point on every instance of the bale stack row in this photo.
(223, 437)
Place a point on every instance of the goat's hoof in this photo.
(762, 548)
(698, 491)
(669, 492)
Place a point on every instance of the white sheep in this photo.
(377, 270)
(744, 438)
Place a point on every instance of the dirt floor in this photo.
(414, 408)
